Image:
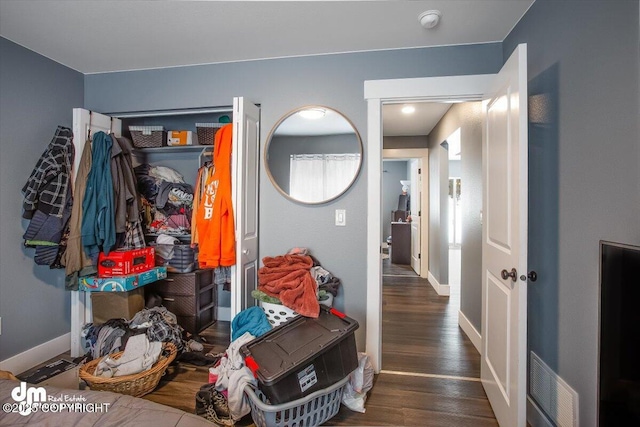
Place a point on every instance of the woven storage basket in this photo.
(277, 313)
(134, 385)
(207, 132)
(311, 410)
(148, 136)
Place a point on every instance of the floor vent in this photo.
(552, 394)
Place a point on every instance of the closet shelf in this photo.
(172, 149)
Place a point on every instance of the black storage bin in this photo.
(303, 355)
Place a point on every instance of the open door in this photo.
(416, 203)
(246, 142)
(83, 121)
(504, 242)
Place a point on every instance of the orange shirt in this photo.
(215, 220)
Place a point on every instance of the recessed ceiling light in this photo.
(430, 18)
(408, 109)
(312, 113)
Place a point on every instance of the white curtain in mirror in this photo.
(318, 177)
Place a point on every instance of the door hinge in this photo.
(419, 213)
(419, 256)
(419, 171)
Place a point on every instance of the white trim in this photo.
(447, 88)
(421, 375)
(374, 218)
(442, 290)
(34, 356)
(535, 416)
(377, 92)
(471, 332)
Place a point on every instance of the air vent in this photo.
(553, 394)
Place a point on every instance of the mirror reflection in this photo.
(313, 154)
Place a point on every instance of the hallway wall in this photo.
(468, 117)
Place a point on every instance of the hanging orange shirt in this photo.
(215, 220)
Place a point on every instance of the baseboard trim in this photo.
(224, 314)
(468, 328)
(34, 356)
(535, 416)
(442, 290)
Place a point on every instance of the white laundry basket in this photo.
(312, 410)
(277, 313)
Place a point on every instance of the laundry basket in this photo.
(277, 313)
(312, 410)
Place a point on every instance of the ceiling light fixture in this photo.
(430, 18)
(312, 113)
(408, 109)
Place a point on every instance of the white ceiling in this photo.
(420, 122)
(95, 36)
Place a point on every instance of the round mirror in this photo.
(313, 154)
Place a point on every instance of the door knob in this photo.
(506, 274)
(245, 251)
(533, 276)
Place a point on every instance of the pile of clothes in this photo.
(166, 198)
(296, 280)
(157, 323)
(223, 400)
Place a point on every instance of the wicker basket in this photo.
(134, 385)
(207, 132)
(148, 136)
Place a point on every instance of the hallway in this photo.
(430, 369)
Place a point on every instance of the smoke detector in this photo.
(430, 18)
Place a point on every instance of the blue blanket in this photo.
(252, 320)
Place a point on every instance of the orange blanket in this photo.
(287, 278)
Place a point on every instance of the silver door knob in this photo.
(245, 251)
(506, 274)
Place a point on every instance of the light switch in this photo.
(341, 217)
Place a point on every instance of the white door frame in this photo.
(422, 154)
(376, 93)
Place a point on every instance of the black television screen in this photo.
(619, 365)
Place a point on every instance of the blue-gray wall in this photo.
(280, 86)
(584, 171)
(37, 95)
(468, 117)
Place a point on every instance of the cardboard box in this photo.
(123, 283)
(60, 373)
(179, 137)
(116, 305)
(125, 262)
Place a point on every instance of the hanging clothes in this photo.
(48, 199)
(98, 223)
(215, 219)
(75, 260)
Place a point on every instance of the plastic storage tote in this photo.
(303, 355)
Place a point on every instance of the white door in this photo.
(416, 203)
(246, 142)
(83, 122)
(504, 242)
